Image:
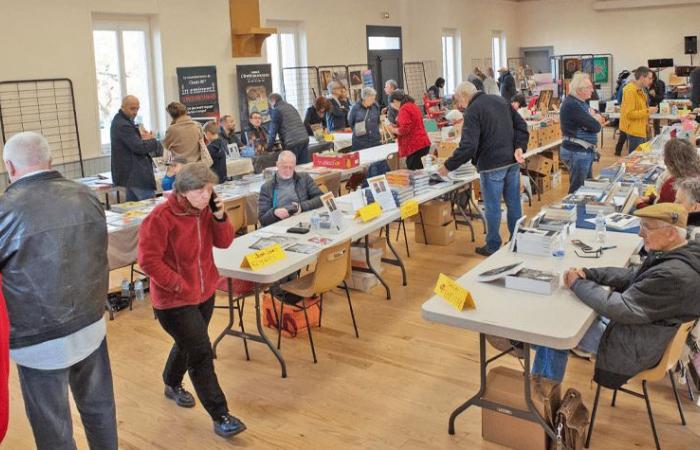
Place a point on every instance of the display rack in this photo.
(301, 86)
(46, 106)
(332, 73)
(598, 66)
(415, 83)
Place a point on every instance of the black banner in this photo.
(254, 87)
(199, 91)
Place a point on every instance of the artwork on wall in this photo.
(600, 69)
(571, 66)
(254, 86)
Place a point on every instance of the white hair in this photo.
(367, 92)
(27, 149)
(335, 84)
(465, 89)
(578, 81)
(286, 154)
(392, 83)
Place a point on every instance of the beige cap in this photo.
(671, 213)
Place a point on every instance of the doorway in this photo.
(538, 58)
(385, 56)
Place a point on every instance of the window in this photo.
(123, 66)
(451, 60)
(498, 50)
(383, 43)
(282, 51)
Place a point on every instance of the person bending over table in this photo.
(640, 314)
(580, 126)
(316, 115)
(175, 250)
(494, 137)
(412, 138)
(285, 120)
(287, 193)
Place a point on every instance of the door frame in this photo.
(384, 31)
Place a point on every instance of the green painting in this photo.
(600, 69)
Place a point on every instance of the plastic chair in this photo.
(236, 212)
(332, 268)
(665, 366)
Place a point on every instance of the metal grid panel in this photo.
(332, 73)
(301, 86)
(414, 80)
(46, 107)
(356, 88)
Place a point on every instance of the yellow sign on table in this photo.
(263, 257)
(455, 294)
(644, 148)
(369, 212)
(409, 208)
(650, 190)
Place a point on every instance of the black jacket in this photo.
(230, 138)
(308, 193)
(337, 117)
(645, 307)
(312, 118)
(132, 163)
(370, 116)
(53, 258)
(695, 91)
(285, 120)
(506, 83)
(491, 132)
(218, 148)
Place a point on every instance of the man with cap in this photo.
(645, 305)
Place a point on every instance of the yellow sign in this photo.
(650, 190)
(409, 208)
(370, 212)
(263, 257)
(455, 294)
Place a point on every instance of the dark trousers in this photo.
(136, 194)
(46, 401)
(413, 161)
(301, 151)
(192, 353)
(634, 142)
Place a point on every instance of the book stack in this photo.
(534, 241)
(621, 222)
(402, 194)
(401, 177)
(560, 211)
(560, 226)
(597, 183)
(533, 280)
(599, 207)
(466, 170)
(421, 182)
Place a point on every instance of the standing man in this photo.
(494, 138)
(133, 149)
(285, 120)
(635, 109)
(506, 83)
(389, 87)
(53, 256)
(227, 131)
(580, 126)
(337, 116)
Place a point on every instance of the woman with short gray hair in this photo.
(175, 250)
(364, 120)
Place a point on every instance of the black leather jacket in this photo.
(53, 257)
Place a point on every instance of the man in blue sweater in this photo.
(580, 126)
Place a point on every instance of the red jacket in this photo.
(411, 131)
(176, 244)
(4, 365)
(667, 194)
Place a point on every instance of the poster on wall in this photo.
(199, 92)
(600, 69)
(571, 66)
(254, 87)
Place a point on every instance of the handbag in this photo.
(204, 155)
(571, 422)
(361, 127)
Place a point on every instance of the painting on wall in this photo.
(600, 69)
(571, 66)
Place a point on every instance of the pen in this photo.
(610, 247)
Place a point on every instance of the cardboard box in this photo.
(505, 386)
(436, 234)
(435, 212)
(337, 160)
(361, 281)
(540, 164)
(534, 138)
(543, 182)
(446, 149)
(358, 258)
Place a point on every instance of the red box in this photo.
(337, 160)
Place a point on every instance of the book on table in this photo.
(499, 272)
(621, 222)
(533, 280)
(533, 241)
(560, 211)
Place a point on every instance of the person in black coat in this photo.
(133, 149)
(316, 114)
(434, 90)
(506, 84)
(337, 116)
(218, 149)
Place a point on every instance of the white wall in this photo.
(45, 39)
(632, 35)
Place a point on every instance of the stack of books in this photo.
(560, 211)
(534, 241)
(533, 280)
(464, 171)
(598, 183)
(402, 194)
(401, 177)
(421, 182)
(599, 207)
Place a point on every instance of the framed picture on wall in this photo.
(571, 66)
(600, 69)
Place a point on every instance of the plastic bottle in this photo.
(600, 228)
(558, 254)
(126, 288)
(138, 290)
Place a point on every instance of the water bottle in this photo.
(558, 254)
(315, 221)
(126, 288)
(600, 228)
(138, 290)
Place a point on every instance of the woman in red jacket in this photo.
(409, 129)
(4, 365)
(176, 251)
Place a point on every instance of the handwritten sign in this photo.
(455, 294)
(409, 208)
(263, 257)
(370, 212)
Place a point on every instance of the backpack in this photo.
(571, 422)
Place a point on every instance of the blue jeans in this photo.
(579, 164)
(46, 393)
(494, 185)
(136, 194)
(635, 141)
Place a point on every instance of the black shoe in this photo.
(227, 426)
(483, 251)
(180, 395)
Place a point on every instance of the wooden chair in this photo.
(329, 181)
(665, 366)
(332, 268)
(236, 212)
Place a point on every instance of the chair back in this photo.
(670, 357)
(236, 212)
(392, 160)
(332, 267)
(329, 181)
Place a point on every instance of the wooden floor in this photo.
(394, 387)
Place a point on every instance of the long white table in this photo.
(559, 320)
(655, 116)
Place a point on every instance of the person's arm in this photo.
(275, 122)
(153, 243)
(222, 231)
(168, 139)
(521, 135)
(266, 212)
(618, 278)
(404, 121)
(469, 142)
(135, 144)
(352, 119)
(583, 119)
(313, 193)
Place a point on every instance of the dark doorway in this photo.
(538, 58)
(385, 56)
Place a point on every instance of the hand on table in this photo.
(297, 208)
(519, 155)
(443, 171)
(281, 213)
(573, 274)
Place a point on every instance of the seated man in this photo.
(688, 196)
(287, 193)
(645, 305)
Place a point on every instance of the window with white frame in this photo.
(282, 50)
(451, 59)
(498, 50)
(123, 66)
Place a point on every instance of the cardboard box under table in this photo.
(540, 164)
(435, 223)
